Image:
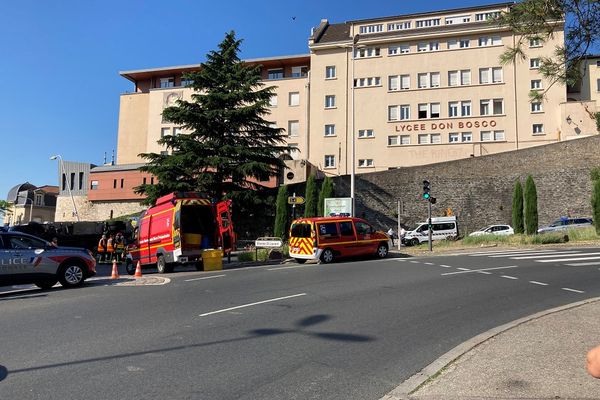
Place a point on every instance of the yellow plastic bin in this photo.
(212, 259)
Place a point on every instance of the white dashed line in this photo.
(445, 266)
(414, 262)
(561, 254)
(206, 277)
(584, 264)
(252, 304)
(508, 277)
(569, 259)
(428, 263)
(540, 252)
(484, 253)
(291, 266)
(572, 290)
(484, 272)
(538, 283)
(464, 270)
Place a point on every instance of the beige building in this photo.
(404, 90)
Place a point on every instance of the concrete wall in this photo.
(96, 211)
(479, 190)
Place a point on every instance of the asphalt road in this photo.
(349, 330)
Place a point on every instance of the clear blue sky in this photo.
(60, 62)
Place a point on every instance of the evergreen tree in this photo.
(281, 213)
(596, 205)
(312, 197)
(230, 146)
(517, 208)
(531, 211)
(327, 191)
(538, 20)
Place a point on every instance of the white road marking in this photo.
(584, 264)
(485, 253)
(541, 252)
(570, 259)
(477, 270)
(463, 269)
(291, 266)
(414, 262)
(538, 283)
(428, 263)
(252, 304)
(445, 266)
(205, 277)
(484, 272)
(508, 277)
(572, 290)
(558, 254)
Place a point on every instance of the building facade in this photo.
(29, 203)
(390, 92)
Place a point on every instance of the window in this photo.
(494, 73)
(162, 153)
(144, 181)
(485, 16)
(484, 75)
(423, 23)
(94, 185)
(367, 52)
(453, 109)
(81, 181)
(114, 183)
(465, 108)
(598, 85)
(491, 107)
(452, 44)
(294, 99)
(423, 111)
(434, 110)
(330, 130)
(498, 135)
(490, 41)
(428, 79)
(393, 114)
(167, 82)
(423, 80)
(434, 79)
(72, 183)
(122, 182)
(453, 137)
(486, 136)
(429, 110)
(364, 82)
(164, 132)
(393, 140)
(536, 84)
(299, 72)
(401, 112)
(497, 74)
(459, 19)
(398, 26)
(346, 229)
(464, 43)
(422, 47)
(435, 138)
(404, 139)
(534, 63)
(423, 139)
(366, 162)
(38, 198)
(186, 81)
(404, 48)
(393, 81)
(293, 128)
(329, 101)
(273, 101)
(538, 129)
(400, 49)
(535, 42)
(371, 28)
(452, 78)
(176, 131)
(404, 112)
(330, 72)
(275, 73)
(536, 106)
(404, 82)
(465, 77)
(366, 133)
(466, 137)
(330, 161)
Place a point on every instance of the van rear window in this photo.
(301, 230)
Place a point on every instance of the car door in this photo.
(329, 236)
(22, 259)
(364, 238)
(348, 244)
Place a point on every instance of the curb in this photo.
(412, 384)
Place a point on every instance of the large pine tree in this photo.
(230, 147)
(517, 208)
(531, 210)
(327, 191)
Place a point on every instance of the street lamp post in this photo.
(353, 143)
(62, 168)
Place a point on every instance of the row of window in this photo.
(426, 23)
(168, 131)
(94, 185)
(462, 108)
(278, 73)
(453, 137)
(293, 99)
(425, 80)
(330, 162)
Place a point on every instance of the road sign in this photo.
(338, 206)
(266, 242)
(296, 200)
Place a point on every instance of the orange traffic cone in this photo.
(115, 271)
(138, 270)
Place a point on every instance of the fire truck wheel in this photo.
(162, 266)
(327, 256)
(129, 267)
(382, 250)
(199, 266)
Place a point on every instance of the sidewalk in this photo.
(542, 356)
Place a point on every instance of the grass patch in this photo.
(583, 234)
(487, 240)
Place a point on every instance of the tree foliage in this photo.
(228, 146)
(517, 208)
(541, 19)
(596, 205)
(312, 197)
(327, 191)
(531, 210)
(281, 213)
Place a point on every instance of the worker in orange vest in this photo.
(110, 248)
(102, 248)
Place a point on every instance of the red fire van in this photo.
(177, 229)
(327, 238)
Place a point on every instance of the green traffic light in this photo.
(426, 196)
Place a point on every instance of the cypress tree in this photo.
(517, 208)
(531, 211)
(596, 205)
(281, 213)
(228, 145)
(327, 191)
(312, 197)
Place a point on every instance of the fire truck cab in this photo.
(178, 229)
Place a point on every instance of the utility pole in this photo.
(400, 207)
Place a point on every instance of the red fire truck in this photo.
(177, 229)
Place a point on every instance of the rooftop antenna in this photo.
(104, 163)
(112, 159)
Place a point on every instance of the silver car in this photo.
(566, 223)
(26, 259)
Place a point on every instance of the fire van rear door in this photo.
(225, 225)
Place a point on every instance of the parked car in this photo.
(566, 223)
(503, 230)
(328, 238)
(26, 259)
(442, 228)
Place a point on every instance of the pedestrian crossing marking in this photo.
(570, 259)
(583, 264)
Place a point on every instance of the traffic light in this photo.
(426, 189)
(432, 200)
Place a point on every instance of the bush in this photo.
(517, 208)
(547, 238)
(531, 207)
(246, 256)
